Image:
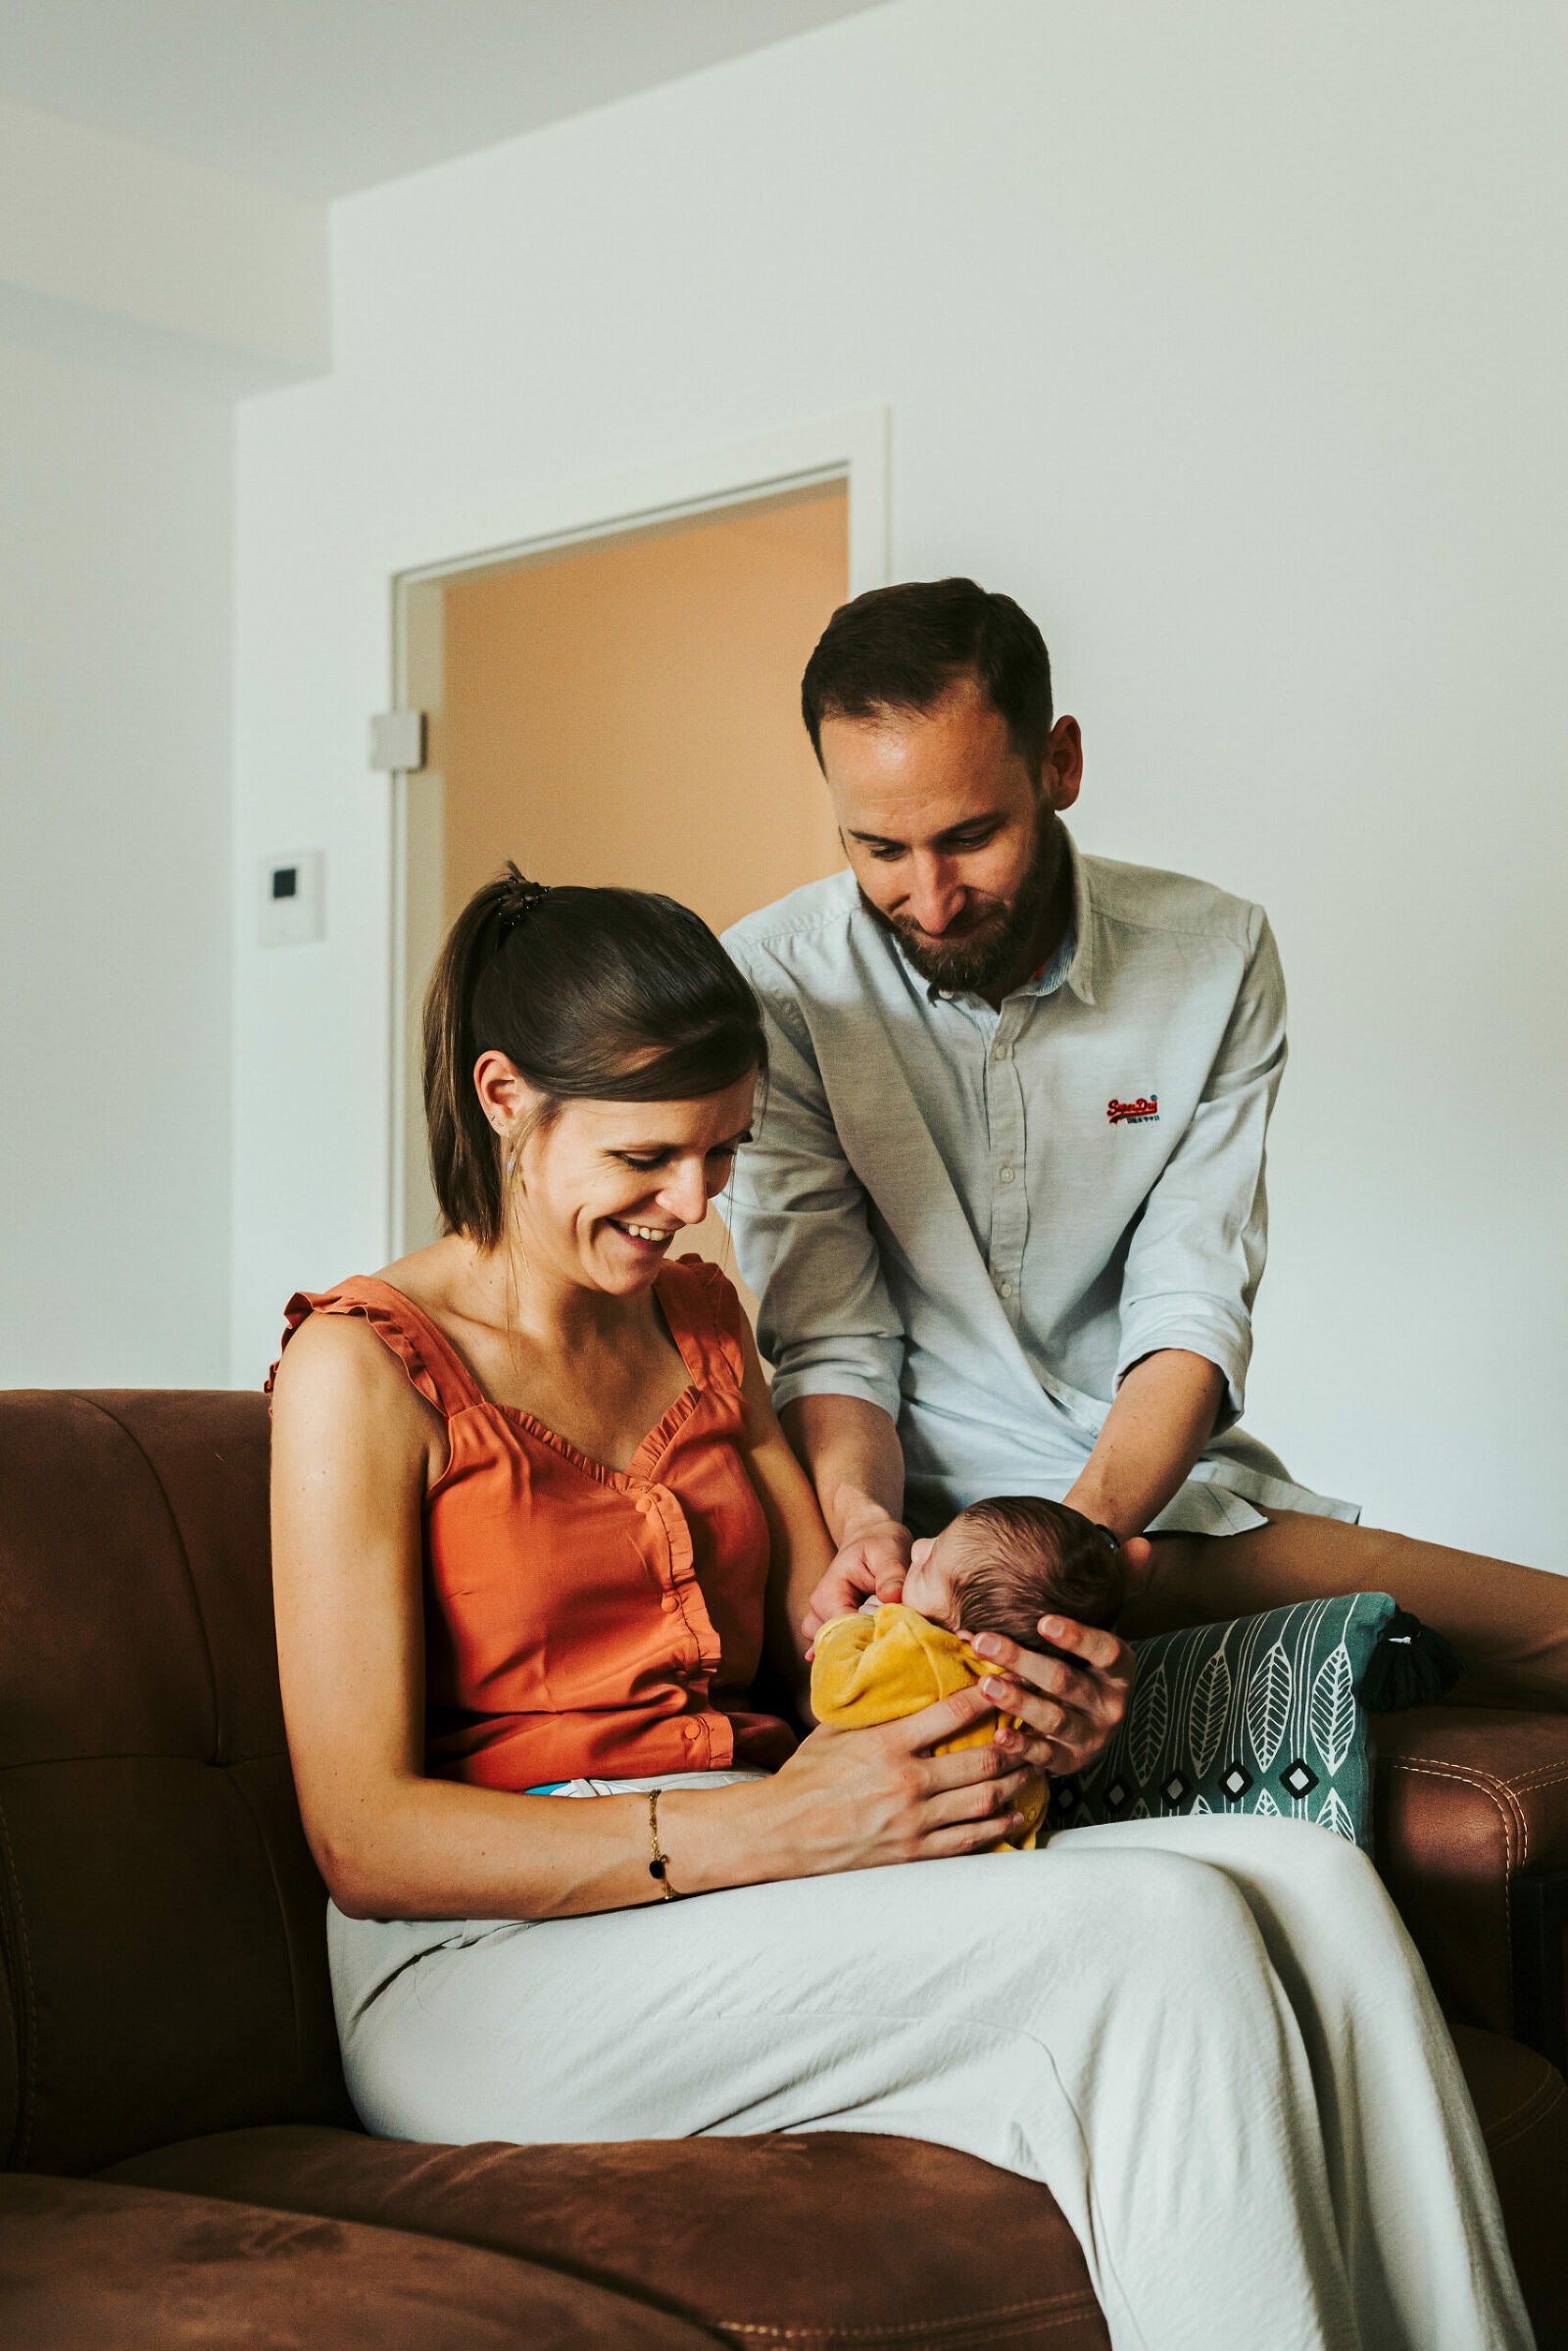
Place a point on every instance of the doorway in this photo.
(624, 709)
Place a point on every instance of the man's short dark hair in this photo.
(901, 649)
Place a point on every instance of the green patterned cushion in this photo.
(1262, 1715)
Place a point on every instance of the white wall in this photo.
(122, 250)
(138, 292)
(115, 884)
(1228, 337)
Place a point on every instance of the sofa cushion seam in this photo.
(1486, 1787)
(1546, 1778)
(1056, 2310)
(290, 1954)
(178, 1532)
(1500, 1792)
(1533, 2108)
(28, 2055)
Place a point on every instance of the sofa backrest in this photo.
(162, 1925)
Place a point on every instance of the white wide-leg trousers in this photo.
(1212, 2039)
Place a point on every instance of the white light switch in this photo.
(292, 909)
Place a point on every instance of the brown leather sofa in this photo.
(183, 2166)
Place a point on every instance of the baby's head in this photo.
(1004, 1564)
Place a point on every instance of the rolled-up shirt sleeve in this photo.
(1197, 1254)
(803, 1236)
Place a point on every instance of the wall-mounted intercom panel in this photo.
(292, 910)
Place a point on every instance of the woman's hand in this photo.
(1068, 1711)
(862, 1799)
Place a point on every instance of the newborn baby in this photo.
(1000, 1567)
(1004, 1564)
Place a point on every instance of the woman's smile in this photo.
(647, 1239)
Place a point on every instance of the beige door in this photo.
(622, 712)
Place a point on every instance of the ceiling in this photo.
(321, 97)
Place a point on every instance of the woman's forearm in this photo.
(436, 1848)
(407, 1847)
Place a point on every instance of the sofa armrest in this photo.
(1540, 1924)
(1471, 1823)
(1522, 2106)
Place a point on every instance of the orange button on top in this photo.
(688, 1730)
(669, 1603)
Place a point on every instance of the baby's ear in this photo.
(920, 1550)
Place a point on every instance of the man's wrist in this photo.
(1096, 1504)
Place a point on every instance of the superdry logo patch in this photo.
(1133, 1114)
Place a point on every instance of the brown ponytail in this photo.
(603, 995)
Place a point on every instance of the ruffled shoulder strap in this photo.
(707, 1316)
(433, 1365)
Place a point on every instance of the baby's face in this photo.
(934, 1564)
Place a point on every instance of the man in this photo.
(1005, 1210)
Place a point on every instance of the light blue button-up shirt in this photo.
(981, 1219)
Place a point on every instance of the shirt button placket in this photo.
(685, 1669)
(1010, 1214)
(648, 1502)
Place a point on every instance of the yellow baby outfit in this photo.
(877, 1668)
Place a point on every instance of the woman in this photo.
(533, 1516)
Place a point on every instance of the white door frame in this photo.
(852, 449)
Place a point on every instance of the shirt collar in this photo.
(1056, 966)
(1081, 966)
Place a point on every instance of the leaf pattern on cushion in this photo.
(1334, 1815)
(1331, 1710)
(1268, 1703)
(1210, 1701)
(1151, 1720)
(1267, 1688)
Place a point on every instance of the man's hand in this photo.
(876, 1560)
(1068, 1711)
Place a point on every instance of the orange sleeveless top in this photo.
(584, 1621)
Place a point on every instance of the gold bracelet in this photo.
(658, 1867)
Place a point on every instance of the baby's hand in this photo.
(824, 1604)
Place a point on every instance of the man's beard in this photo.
(1002, 945)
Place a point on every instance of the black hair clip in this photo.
(521, 897)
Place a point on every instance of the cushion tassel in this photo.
(1411, 1665)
